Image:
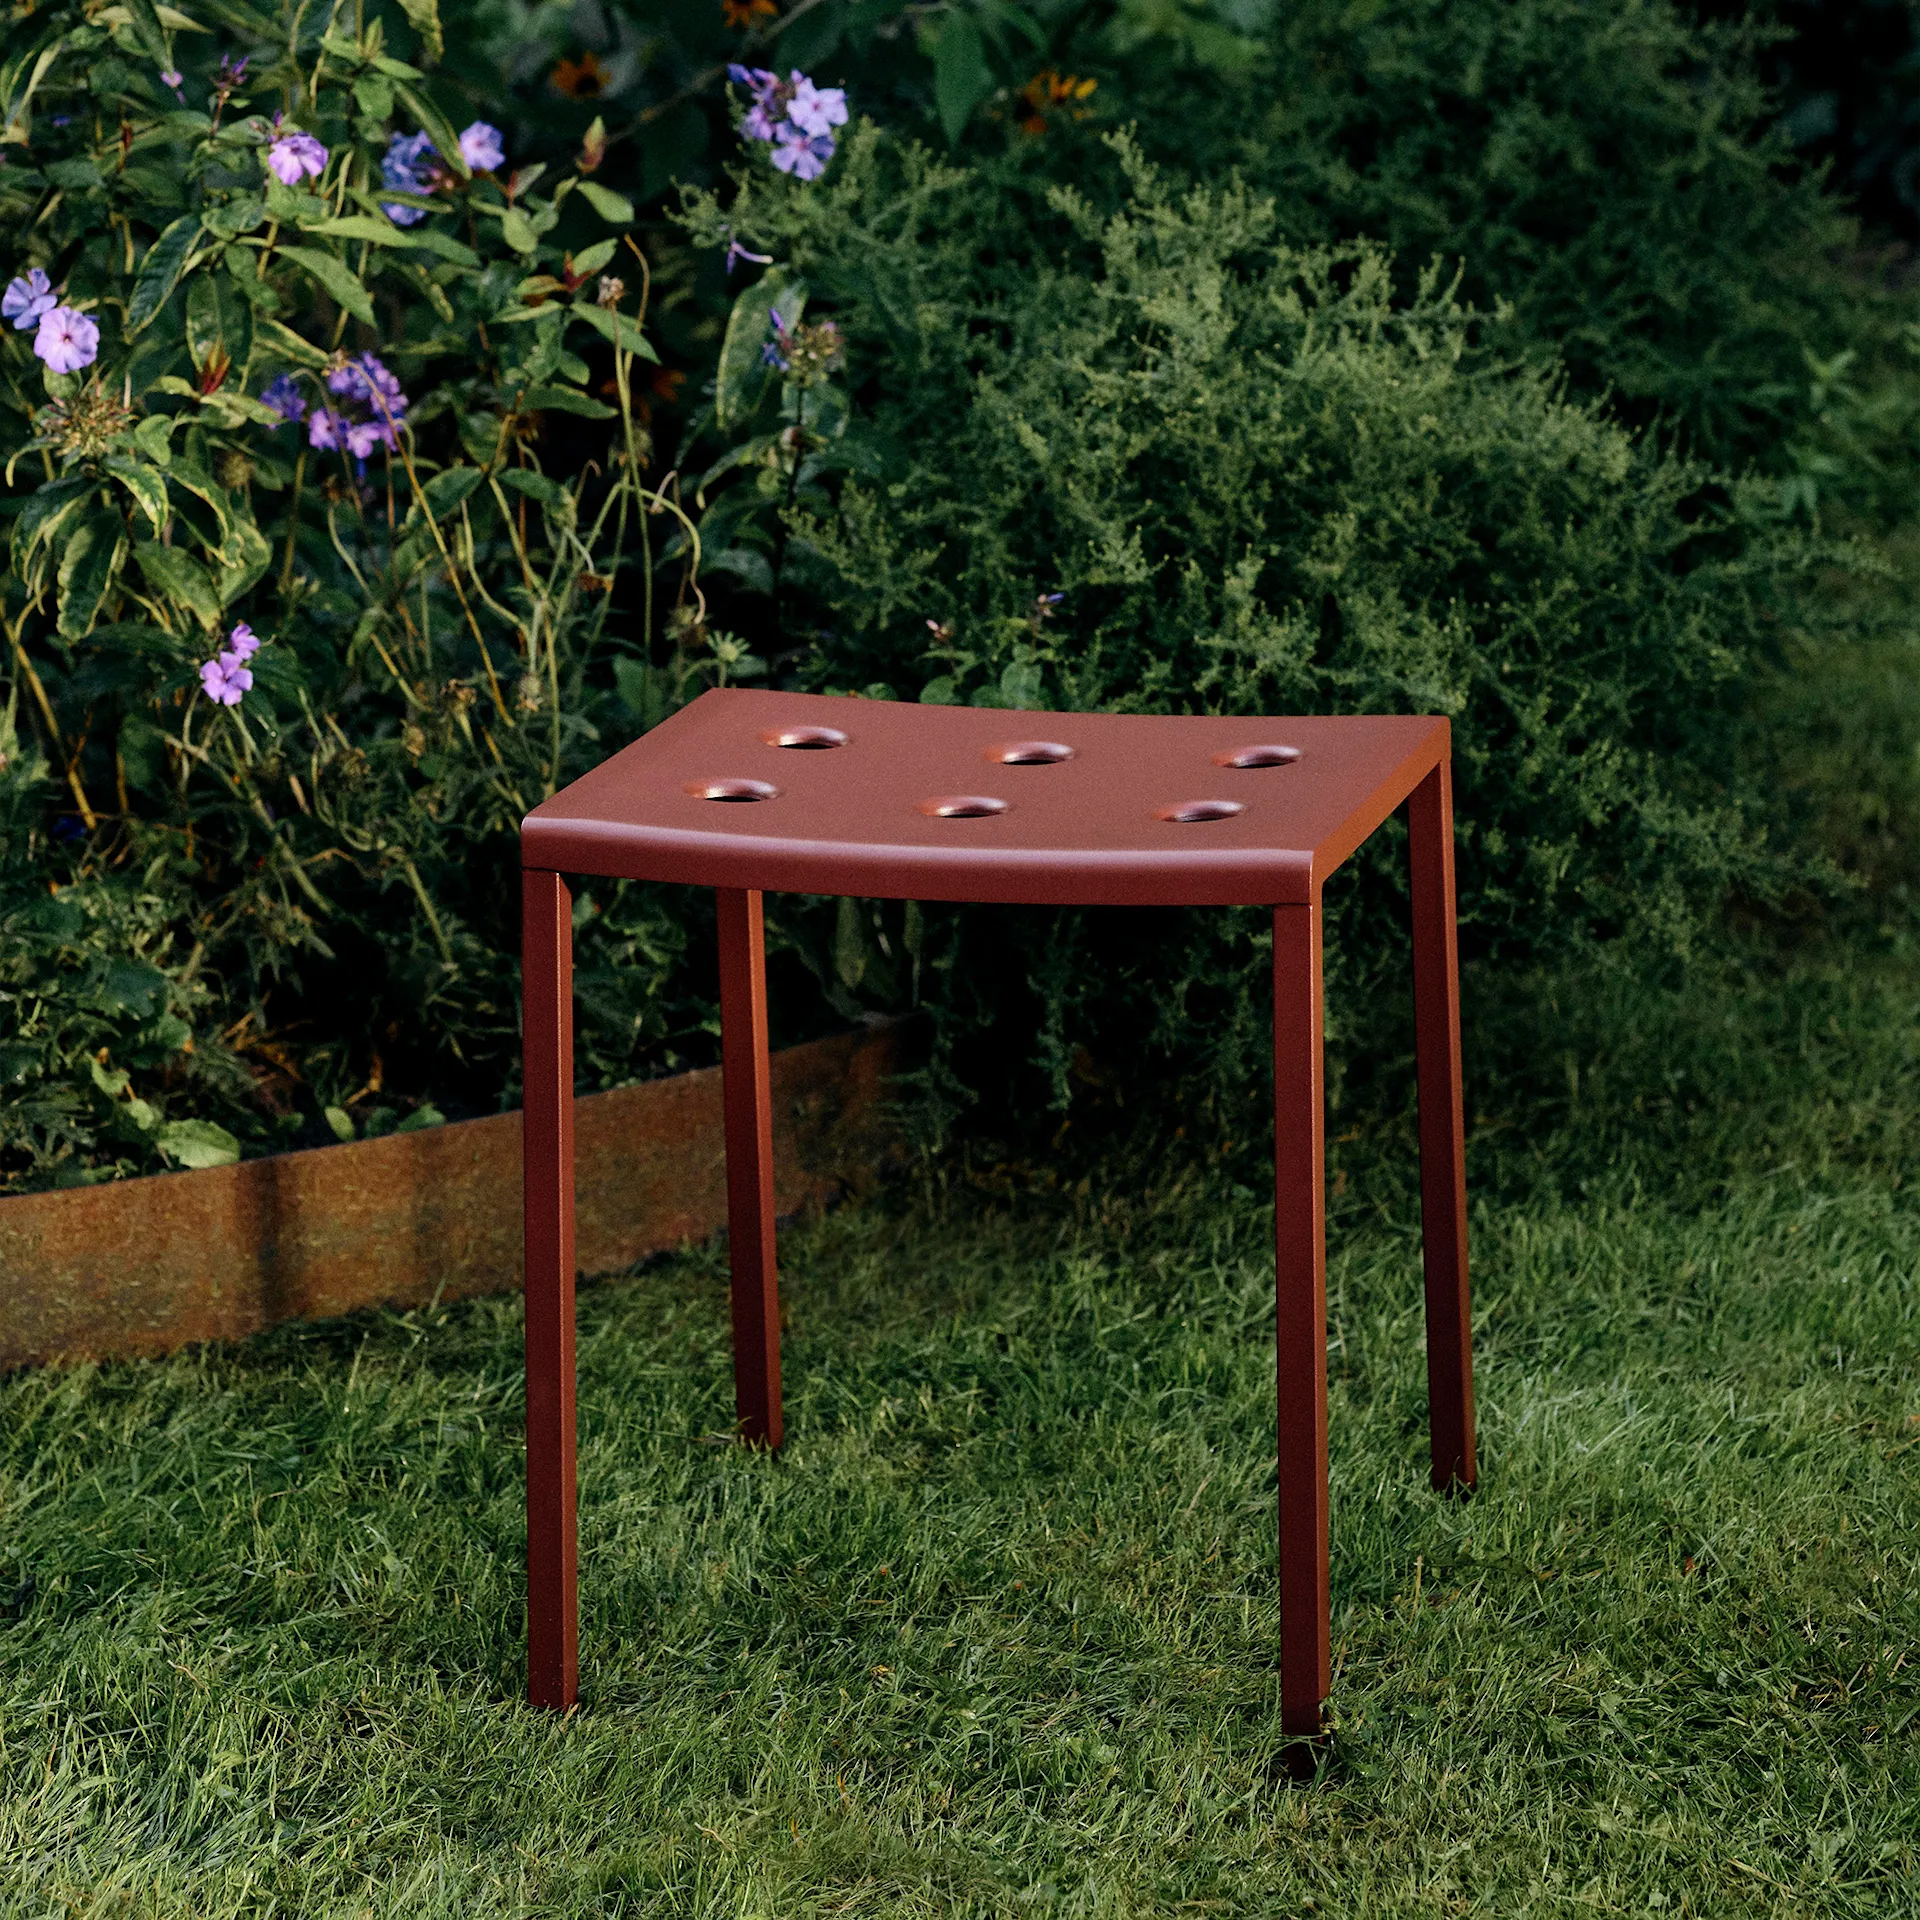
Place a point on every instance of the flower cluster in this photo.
(804, 354)
(372, 408)
(411, 164)
(65, 338)
(794, 116)
(226, 678)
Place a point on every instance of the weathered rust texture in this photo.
(145, 1266)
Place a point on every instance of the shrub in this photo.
(299, 622)
(1212, 470)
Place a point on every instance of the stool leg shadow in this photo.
(1443, 1168)
(553, 1631)
(1300, 1324)
(748, 1093)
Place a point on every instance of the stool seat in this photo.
(811, 793)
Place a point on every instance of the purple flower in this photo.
(804, 155)
(294, 156)
(226, 678)
(816, 109)
(777, 352)
(736, 253)
(171, 76)
(794, 116)
(365, 383)
(67, 341)
(409, 166)
(283, 395)
(27, 298)
(241, 642)
(480, 147)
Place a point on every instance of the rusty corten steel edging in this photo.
(141, 1267)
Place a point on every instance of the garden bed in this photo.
(145, 1266)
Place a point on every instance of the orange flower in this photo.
(1050, 92)
(741, 14)
(582, 79)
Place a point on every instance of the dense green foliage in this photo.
(1218, 397)
(267, 910)
(1198, 468)
(996, 1633)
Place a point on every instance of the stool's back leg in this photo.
(749, 1104)
(1306, 1668)
(547, 1030)
(1443, 1165)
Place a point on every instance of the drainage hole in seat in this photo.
(808, 739)
(1186, 812)
(1257, 757)
(732, 790)
(962, 806)
(1029, 753)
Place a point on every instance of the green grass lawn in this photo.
(997, 1634)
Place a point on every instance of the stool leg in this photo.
(1306, 1669)
(748, 1093)
(553, 1631)
(1443, 1160)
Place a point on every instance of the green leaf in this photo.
(341, 1121)
(423, 16)
(742, 374)
(849, 943)
(435, 125)
(336, 277)
(20, 79)
(197, 1143)
(151, 437)
(182, 579)
(517, 231)
(446, 246)
(112, 1081)
(593, 258)
(282, 340)
(148, 31)
(445, 491)
(564, 400)
(244, 556)
(88, 566)
(47, 507)
(536, 486)
(617, 327)
(374, 93)
(748, 566)
(361, 226)
(187, 473)
(961, 78)
(149, 489)
(160, 270)
(614, 208)
(422, 1117)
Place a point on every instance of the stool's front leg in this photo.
(748, 1091)
(553, 1665)
(1443, 1164)
(1306, 1668)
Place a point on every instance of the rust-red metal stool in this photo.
(747, 792)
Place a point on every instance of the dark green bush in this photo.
(1263, 481)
